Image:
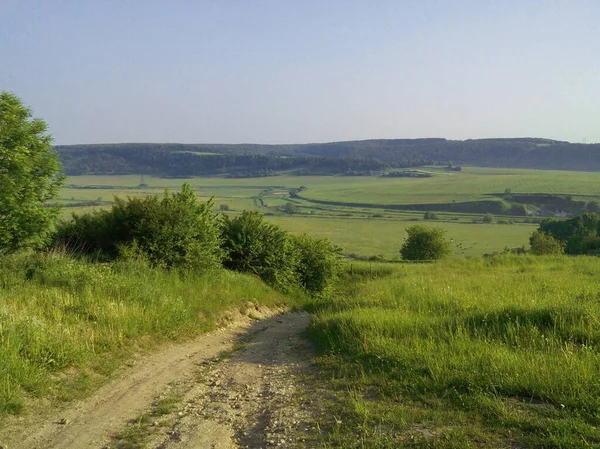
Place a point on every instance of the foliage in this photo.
(29, 177)
(361, 157)
(488, 218)
(317, 263)
(66, 324)
(543, 244)
(252, 245)
(430, 216)
(291, 208)
(172, 231)
(424, 243)
(579, 235)
(284, 261)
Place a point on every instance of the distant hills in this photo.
(364, 157)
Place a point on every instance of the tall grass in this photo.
(65, 323)
(507, 347)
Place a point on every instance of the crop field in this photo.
(499, 352)
(370, 228)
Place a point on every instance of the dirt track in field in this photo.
(238, 387)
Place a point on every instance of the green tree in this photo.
(252, 245)
(29, 177)
(318, 263)
(544, 244)
(488, 218)
(424, 243)
(173, 231)
(291, 208)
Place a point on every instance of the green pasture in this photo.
(482, 353)
(361, 230)
(445, 187)
(369, 236)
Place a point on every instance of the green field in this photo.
(488, 353)
(366, 230)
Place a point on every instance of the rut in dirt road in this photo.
(252, 399)
(249, 399)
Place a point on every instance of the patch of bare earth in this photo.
(240, 387)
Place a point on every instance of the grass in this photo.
(470, 184)
(65, 325)
(499, 352)
(362, 231)
(366, 236)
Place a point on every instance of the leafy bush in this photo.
(317, 263)
(286, 262)
(488, 218)
(425, 243)
(544, 244)
(252, 245)
(173, 231)
(579, 235)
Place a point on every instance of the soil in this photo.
(243, 386)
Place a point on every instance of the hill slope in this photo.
(352, 157)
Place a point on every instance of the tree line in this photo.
(335, 158)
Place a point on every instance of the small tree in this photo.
(252, 245)
(29, 177)
(291, 208)
(174, 231)
(544, 244)
(317, 263)
(488, 218)
(424, 243)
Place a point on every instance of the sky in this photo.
(297, 71)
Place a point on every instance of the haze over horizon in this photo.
(270, 72)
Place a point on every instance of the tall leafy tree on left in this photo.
(30, 176)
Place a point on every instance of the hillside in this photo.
(353, 157)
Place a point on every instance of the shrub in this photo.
(425, 243)
(252, 245)
(488, 218)
(544, 244)
(173, 231)
(317, 263)
(430, 216)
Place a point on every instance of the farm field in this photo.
(489, 353)
(366, 230)
(374, 236)
(471, 183)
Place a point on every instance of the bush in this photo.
(173, 231)
(430, 216)
(425, 243)
(252, 245)
(488, 218)
(285, 262)
(544, 244)
(317, 263)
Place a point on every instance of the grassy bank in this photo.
(65, 325)
(498, 352)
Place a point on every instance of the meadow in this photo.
(66, 324)
(491, 353)
(365, 231)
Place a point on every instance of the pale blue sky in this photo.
(285, 71)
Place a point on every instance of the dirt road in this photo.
(234, 388)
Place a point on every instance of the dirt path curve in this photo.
(249, 399)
